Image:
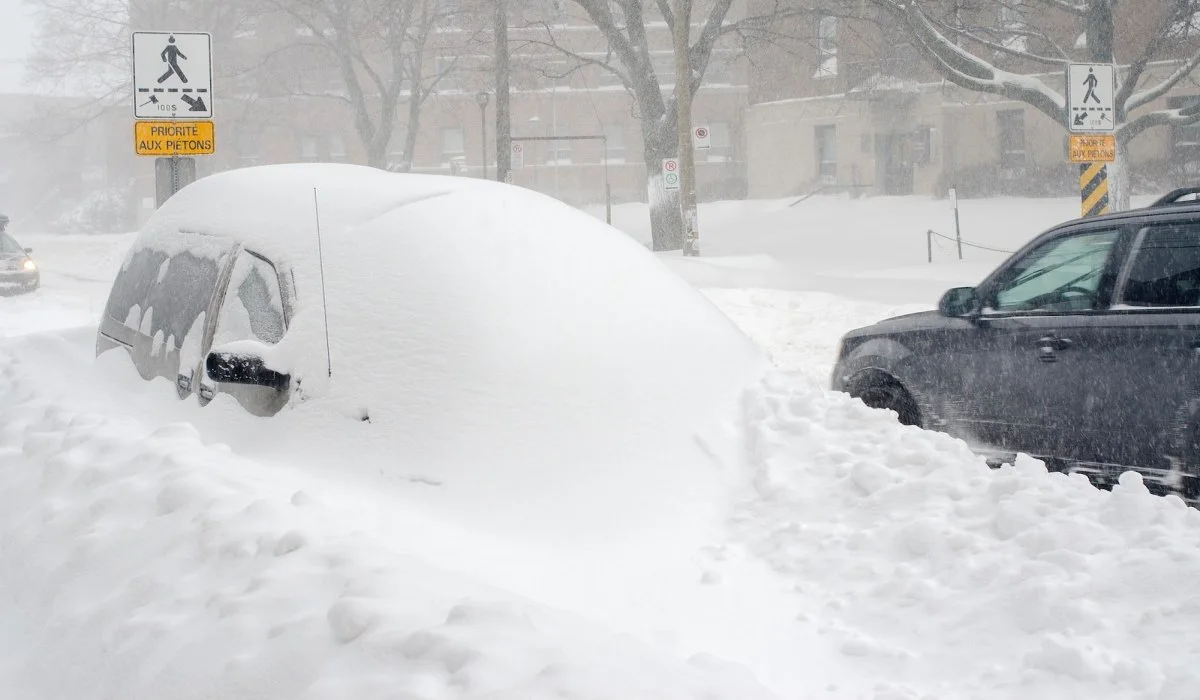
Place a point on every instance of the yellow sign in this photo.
(1093, 148)
(174, 138)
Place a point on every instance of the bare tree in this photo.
(969, 52)
(378, 49)
(625, 27)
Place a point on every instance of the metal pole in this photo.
(483, 137)
(174, 174)
(957, 231)
(929, 244)
(607, 186)
(503, 119)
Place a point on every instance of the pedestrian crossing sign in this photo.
(1091, 98)
(172, 75)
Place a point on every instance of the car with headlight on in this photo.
(1083, 349)
(18, 272)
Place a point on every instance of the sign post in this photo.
(670, 170)
(1091, 119)
(518, 155)
(172, 85)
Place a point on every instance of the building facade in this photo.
(860, 110)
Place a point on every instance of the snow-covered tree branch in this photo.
(940, 37)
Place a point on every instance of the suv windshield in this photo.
(8, 246)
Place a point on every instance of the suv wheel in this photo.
(891, 395)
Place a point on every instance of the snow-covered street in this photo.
(154, 549)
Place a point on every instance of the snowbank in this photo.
(142, 563)
(948, 579)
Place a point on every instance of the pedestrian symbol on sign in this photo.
(1090, 83)
(170, 56)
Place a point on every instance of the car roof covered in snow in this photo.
(475, 322)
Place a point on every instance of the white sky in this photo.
(15, 30)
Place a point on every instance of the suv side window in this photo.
(1165, 269)
(183, 287)
(253, 307)
(1063, 274)
(127, 300)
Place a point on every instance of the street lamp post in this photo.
(481, 99)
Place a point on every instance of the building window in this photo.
(447, 76)
(827, 62)
(560, 151)
(826, 142)
(1012, 138)
(308, 149)
(923, 145)
(720, 145)
(452, 143)
(614, 143)
(337, 148)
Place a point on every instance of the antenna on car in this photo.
(321, 262)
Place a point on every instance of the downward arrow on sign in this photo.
(197, 105)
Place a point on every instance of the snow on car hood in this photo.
(483, 336)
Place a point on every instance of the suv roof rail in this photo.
(1174, 196)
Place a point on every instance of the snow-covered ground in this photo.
(148, 553)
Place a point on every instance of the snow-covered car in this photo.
(1081, 349)
(451, 320)
(18, 272)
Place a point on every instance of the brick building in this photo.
(858, 108)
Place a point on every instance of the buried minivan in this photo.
(457, 318)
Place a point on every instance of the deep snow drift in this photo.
(854, 558)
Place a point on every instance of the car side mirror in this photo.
(29, 251)
(959, 302)
(244, 368)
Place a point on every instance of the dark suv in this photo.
(1082, 349)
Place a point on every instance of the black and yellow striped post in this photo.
(1093, 188)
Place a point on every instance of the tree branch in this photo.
(1166, 117)
(1138, 67)
(1145, 97)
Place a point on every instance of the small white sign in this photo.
(670, 168)
(1091, 95)
(700, 137)
(518, 155)
(172, 75)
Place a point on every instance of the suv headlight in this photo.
(28, 265)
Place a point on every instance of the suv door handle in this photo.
(1050, 345)
(1053, 342)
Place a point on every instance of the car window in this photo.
(253, 307)
(132, 286)
(9, 246)
(1060, 275)
(185, 286)
(1165, 269)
